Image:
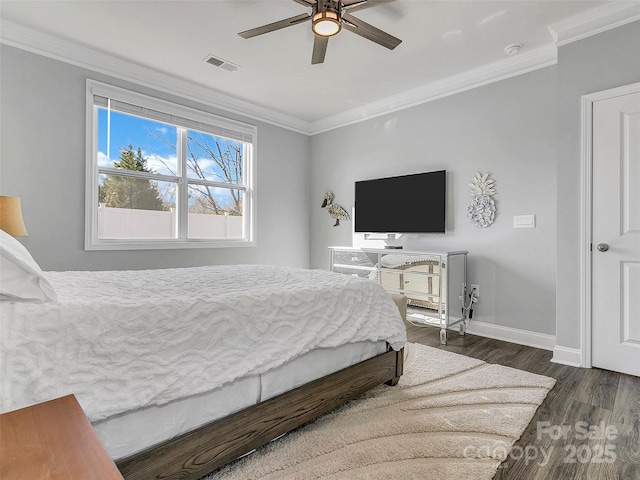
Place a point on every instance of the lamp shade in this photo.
(11, 216)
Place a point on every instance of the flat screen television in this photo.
(404, 204)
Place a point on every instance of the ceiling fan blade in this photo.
(319, 49)
(306, 3)
(369, 32)
(355, 5)
(287, 22)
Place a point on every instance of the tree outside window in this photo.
(126, 192)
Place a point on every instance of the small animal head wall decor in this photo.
(482, 209)
(334, 210)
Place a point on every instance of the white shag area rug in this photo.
(449, 417)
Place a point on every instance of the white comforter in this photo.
(122, 340)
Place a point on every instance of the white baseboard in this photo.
(567, 356)
(513, 335)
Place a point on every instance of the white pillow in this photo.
(21, 278)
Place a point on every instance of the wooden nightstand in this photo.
(52, 441)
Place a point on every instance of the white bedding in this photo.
(134, 431)
(129, 339)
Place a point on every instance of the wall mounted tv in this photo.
(405, 204)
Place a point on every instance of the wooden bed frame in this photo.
(201, 451)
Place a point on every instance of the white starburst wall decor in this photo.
(482, 209)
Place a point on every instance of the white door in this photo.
(616, 234)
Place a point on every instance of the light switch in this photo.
(524, 221)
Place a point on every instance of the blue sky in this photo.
(150, 136)
(156, 140)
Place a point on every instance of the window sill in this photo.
(167, 245)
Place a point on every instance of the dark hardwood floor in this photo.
(588, 427)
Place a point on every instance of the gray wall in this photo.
(43, 161)
(524, 131)
(610, 59)
(507, 129)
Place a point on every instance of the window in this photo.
(161, 175)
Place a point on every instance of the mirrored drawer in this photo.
(391, 280)
(361, 259)
(369, 273)
(399, 261)
(414, 282)
(431, 303)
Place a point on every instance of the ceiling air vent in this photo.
(219, 62)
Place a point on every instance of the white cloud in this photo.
(206, 163)
(162, 165)
(104, 161)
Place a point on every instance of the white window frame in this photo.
(226, 128)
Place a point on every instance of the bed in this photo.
(183, 370)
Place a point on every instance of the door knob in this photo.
(602, 247)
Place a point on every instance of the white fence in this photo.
(132, 223)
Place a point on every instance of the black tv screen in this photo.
(405, 204)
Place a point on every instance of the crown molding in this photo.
(600, 19)
(490, 73)
(610, 15)
(68, 52)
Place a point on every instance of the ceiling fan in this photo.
(328, 17)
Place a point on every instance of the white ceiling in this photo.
(441, 39)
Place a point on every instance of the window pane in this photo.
(136, 208)
(120, 133)
(164, 175)
(215, 212)
(214, 158)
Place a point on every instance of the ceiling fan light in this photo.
(326, 23)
